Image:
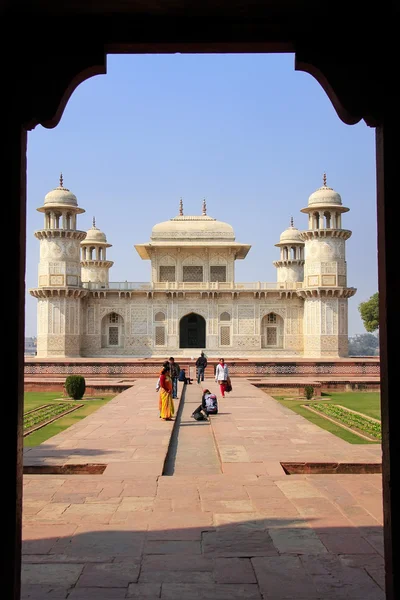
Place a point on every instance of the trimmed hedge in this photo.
(308, 391)
(75, 386)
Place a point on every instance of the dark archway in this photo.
(192, 331)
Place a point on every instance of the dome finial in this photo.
(291, 222)
(94, 221)
(204, 207)
(324, 179)
(61, 180)
(181, 207)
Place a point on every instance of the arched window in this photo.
(225, 330)
(159, 330)
(272, 331)
(225, 316)
(327, 216)
(112, 331)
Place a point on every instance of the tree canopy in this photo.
(364, 344)
(369, 311)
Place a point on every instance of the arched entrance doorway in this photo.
(192, 331)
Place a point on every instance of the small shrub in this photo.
(308, 391)
(75, 386)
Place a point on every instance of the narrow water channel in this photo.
(192, 448)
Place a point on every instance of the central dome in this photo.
(191, 228)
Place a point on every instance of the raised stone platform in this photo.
(116, 374)
(225, 523)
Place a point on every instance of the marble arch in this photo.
(354, 73)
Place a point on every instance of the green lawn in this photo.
(34, 399)
(367, 403)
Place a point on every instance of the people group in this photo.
(167, 386)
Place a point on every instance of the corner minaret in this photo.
(325, 288)
(59, 290)
(290, 267)
(95, 266)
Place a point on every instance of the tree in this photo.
(364, 344)
(369, 311)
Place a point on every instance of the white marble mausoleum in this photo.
(192, 301)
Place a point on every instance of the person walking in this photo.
(166, 403)
(222, 376)
(201, 364)
(175, 370)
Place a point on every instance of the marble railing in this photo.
(193, 285)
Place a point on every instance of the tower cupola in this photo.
(290, 265)
(94, 264)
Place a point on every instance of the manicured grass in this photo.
(34, 399)
(367, 403)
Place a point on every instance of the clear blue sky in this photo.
(246, 132)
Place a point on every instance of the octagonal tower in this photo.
(325, 288)
(59, 290)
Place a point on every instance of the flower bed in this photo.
(46, 414)
(348, 418)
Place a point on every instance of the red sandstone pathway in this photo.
(236, 528)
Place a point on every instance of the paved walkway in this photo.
(228, 523)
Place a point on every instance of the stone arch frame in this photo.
(225, 326)
(278, 325)
(166, 260)
(160, 317)
(105, 326)
(354, 76)
(227, 317)
(160, 328)
(202, 341)
(192, 260)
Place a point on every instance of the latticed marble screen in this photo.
(167, 274)
(218, 273)
(160, 335)
(113, 336)
(192, 273)
(271, 318)
(272, 336)
(225, 336)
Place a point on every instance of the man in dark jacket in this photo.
(201, 364)
(175, 370)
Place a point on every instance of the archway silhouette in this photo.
(354, 74)
(192, 331)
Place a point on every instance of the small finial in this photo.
(291, 222)
(181, 207)
(61, 180)
(94, 221)
(204, 207)
(324, 180)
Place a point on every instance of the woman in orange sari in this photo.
(166, 404)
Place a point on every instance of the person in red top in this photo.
(166, 403)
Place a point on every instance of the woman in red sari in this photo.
(166, 403)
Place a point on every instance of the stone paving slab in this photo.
(236, 527)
